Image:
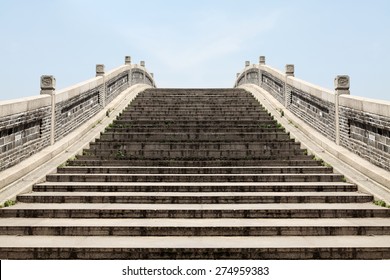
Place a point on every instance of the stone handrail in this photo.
(361, 125)
(28, 125)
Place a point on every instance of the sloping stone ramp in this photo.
(195, 173)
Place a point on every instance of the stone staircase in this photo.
(195, 173)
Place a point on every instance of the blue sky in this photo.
(194, 43)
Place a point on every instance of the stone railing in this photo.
(359, 124)
(28, 125)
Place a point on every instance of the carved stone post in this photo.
(142, 63)
(152, 75)
(48, 86)
(247, 63)
(99, 70)
(290, 70)
(287, 94)
(341, 86)
(100, 73)
(127, 60)
(262, 60)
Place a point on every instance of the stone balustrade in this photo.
(28, 125)
(361, 125)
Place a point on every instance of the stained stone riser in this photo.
(166, 187)
(187, 198)
(100, 145)
(195, 137)
(191, 253)
(93, 161)
(191, 214)
(196, 231)
(194, 178)
(193, 170)
(199, 123)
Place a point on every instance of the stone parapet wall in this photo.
(23, 134)
(364, 130)
(320, 114)
(26, 124)
(140, 75)
(359, 124)
(273, 85)
(69, 114)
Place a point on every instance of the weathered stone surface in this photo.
(290, 70)
(197, 167)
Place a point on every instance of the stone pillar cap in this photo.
(127, 59)
(48, 82)
(262, 60)
(99, 70)
(290, 69)
(341, 82)
(247, 63)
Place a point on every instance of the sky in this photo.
(201, 43)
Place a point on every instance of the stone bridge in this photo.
(274, 168)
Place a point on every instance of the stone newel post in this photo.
(262, 60)
(127, 60)
(48, 86)
(290, 69)
(99, 70)
(341, 86)
(142, 64)
(247, 63)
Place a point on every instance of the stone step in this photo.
(93, 161)
(174, 94)
(194, 198)
(153, 145)
(195, 118)
(194, 170)
(128, 128)
(250, 211)
(193, 154)
(202, 149)
(195, 227)
(195, 247)
(194, 178)
(195, 187)
(177, 112)
(200, 109)
(193, 103)
(216, 99)
(195, 136)
(198, 123)
(194, 115)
